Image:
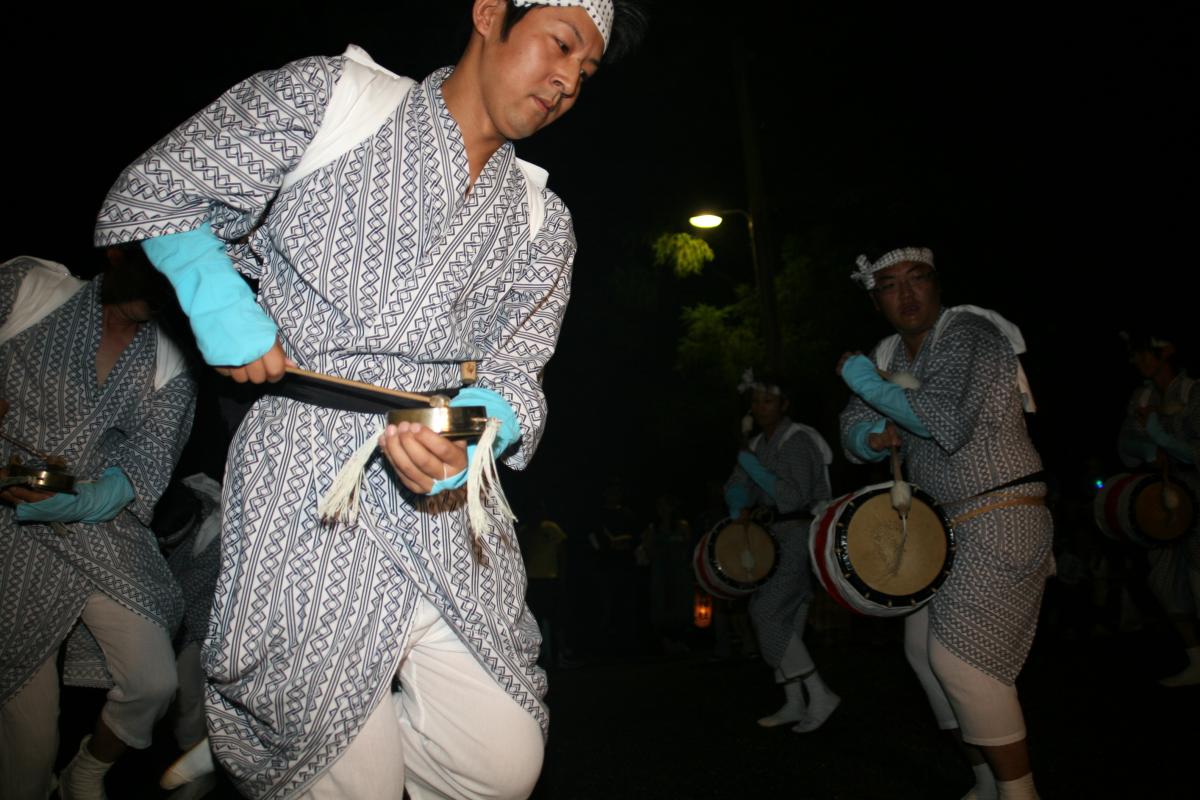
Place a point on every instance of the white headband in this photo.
(748, 382)
(865, 274)
(601, 11)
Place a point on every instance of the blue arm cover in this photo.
(857, 440)
(887, 398)
(1174, 447)
(231, 329)
(1136, 446)
(498, 408)
(737, 497)
(757, 472)
(94, 502)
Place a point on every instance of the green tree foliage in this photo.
(821, 315)
(684, 253)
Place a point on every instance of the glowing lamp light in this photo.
(705, 220)
(702, 609)
(1099, 484)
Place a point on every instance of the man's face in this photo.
(907, 293)
(1149, 362)
(767, 408)
(535, 75)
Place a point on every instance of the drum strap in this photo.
(803, 514)
(1041, 476)
(1008, 502)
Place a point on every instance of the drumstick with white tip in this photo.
(1170, 497)
(901, 495)
(901, 492)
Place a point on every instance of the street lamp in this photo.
(766, 295)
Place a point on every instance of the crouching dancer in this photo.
(390, 249)
(90, 380)
(784, 470)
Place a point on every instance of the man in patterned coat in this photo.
(784, 470)
(1162, 429)
(963, 437)
(423, 244)
(88, 378)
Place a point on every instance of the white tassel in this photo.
(341, 501)
(483, 485)
(482, 477)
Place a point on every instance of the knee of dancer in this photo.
(151, 687)
(495, 754)
(988, 710)
(512, 762)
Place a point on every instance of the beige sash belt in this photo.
(1005, 503)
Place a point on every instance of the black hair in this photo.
(628, 27)
(1155, 341)
(130, 276)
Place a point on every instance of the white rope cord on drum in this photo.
(748, 560)
(901, 497)
(1170, 495)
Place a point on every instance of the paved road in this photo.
(683, 726)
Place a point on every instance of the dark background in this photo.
(1044, 155)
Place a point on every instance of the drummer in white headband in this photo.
(948, 390)
(425, 255)
(783, 472)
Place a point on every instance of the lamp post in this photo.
(762, 278)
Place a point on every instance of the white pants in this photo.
(451, 732)
(142, 663)
(960, 695)
(1174, 581)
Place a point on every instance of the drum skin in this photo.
(870, 562)
(1132, 508)
(735, 558)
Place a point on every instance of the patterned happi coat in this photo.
(780, 607)
(385, 266)
(986, 611)
(1178, 411)
(48, 376)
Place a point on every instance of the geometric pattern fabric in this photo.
(48, 376)
(986, 612)
(386, 266)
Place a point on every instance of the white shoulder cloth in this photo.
(364, 98)
(887, 348)
(47, 286)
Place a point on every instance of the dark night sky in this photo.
(1045, 156)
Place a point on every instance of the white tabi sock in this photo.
(1020, 789)
(201, 787)
(190, 766)
(1191, 673)
(83, 778)
(792, 708)
(985, 784)
(821, 703)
